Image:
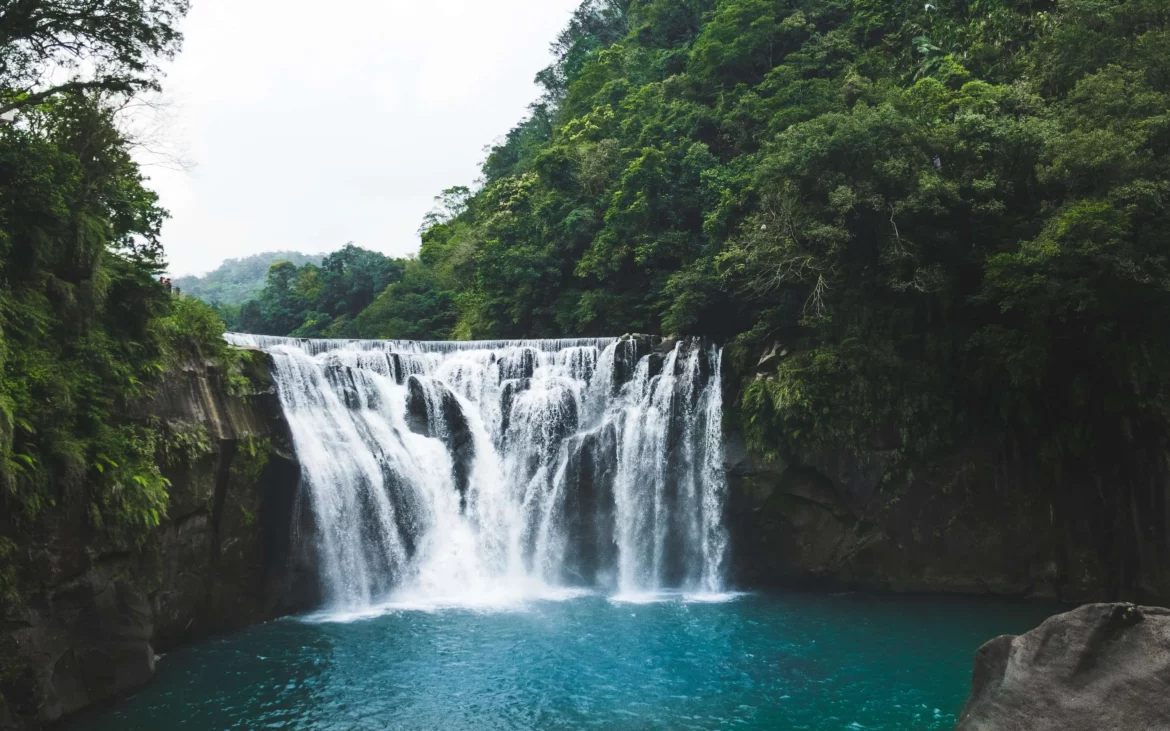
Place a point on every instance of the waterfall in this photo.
(489, 471)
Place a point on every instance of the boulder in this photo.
(771, 358)
(631, 350)
(1103, 667)
(655, 365)
(511, 390)
(667, 344)
(418, 418)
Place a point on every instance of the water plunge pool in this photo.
(756, 661)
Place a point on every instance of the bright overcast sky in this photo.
(312, 124)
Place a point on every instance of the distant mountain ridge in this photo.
(238, 280)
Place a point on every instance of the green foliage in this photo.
(184, 444)
(9, 593)
(952, 216)
(191, 331)
(130, 494)
(86, 330)
(250, 460)
(238, 280)
(78, 305)
(111, 45)
(416, 308)
(319, 301)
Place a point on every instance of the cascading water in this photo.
(470, 473)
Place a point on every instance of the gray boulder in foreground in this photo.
(1098, 668)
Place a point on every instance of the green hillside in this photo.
(238, 280)
(950, 216)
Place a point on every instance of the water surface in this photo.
(789, 661)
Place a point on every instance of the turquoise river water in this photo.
(755, 661)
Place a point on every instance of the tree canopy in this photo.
(951, 216)
(53, 47)
(319, 301)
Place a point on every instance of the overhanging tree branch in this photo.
(114, 85)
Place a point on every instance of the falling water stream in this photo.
(485, 474)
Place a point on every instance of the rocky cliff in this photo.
(972, 522)
(92, 616)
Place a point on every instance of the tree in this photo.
(415, 308)
(107, 45)
(319, 301)
(352, 278)
(238, 280)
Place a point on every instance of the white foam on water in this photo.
(675, 597)
(720, 597)
(487, 476)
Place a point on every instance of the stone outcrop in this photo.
(971, 523)
(771, 358)
(94, 614)
(1103, 667)
(446, 421)
(990, 517)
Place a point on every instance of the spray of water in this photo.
(489, 473)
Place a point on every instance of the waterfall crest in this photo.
(483, 472)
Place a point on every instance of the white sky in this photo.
(310, 124)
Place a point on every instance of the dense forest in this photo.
(950, 217)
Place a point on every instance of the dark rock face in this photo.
(512, 389)
(519, 364)
(987, 518)
(589, 508)
(418, 417)
(970, 523)
(446, 421)
(342, 381)
(771, 358)
(97, 646)
(1103, 667)
(226, 557)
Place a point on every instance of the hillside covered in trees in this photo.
(327, 300)
(949, 216)
(238, 280)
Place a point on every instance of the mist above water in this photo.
(486, 474)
